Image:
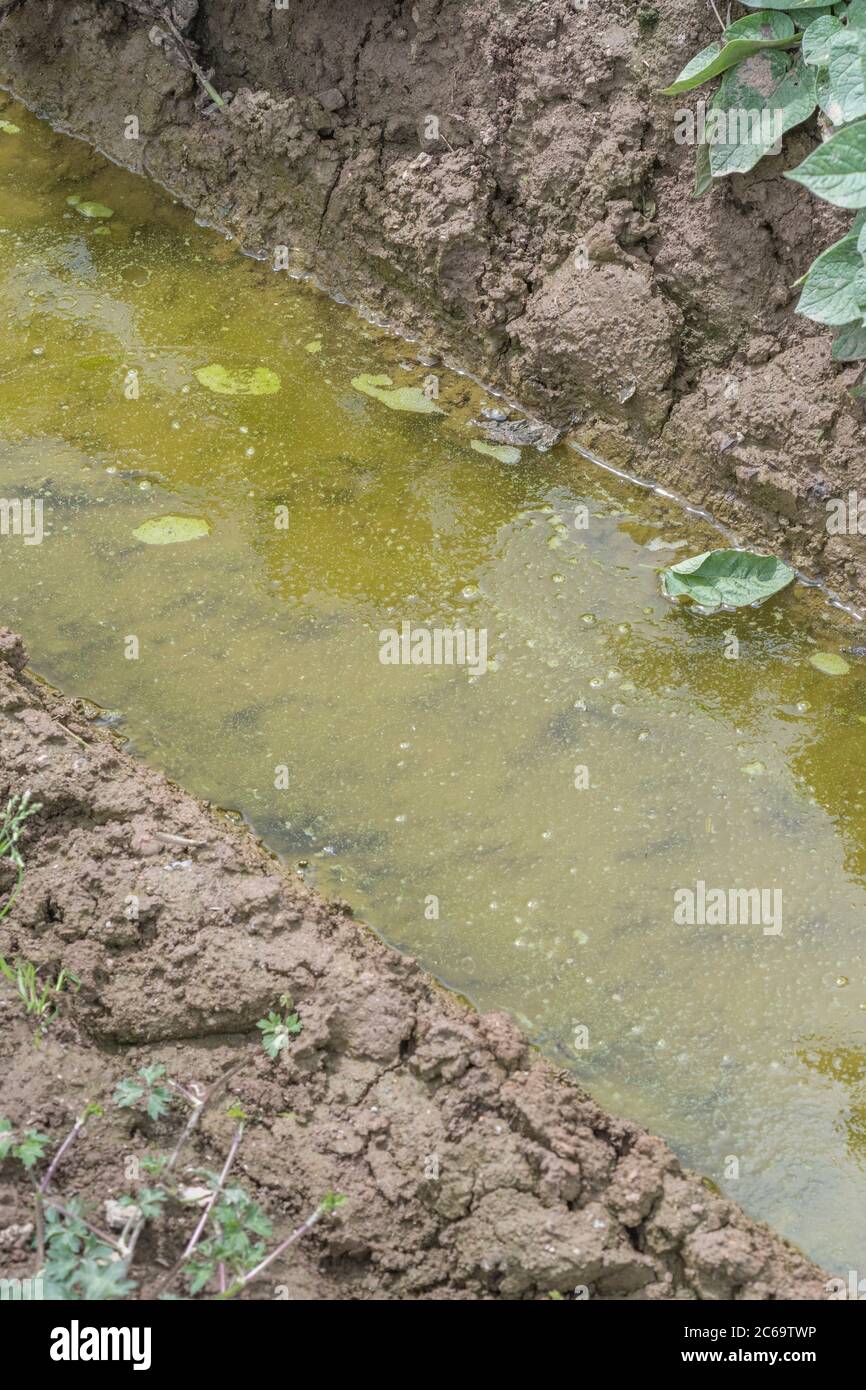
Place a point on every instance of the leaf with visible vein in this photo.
(748, 35)
(836, 170)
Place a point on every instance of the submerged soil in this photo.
(472, 1168)
(502, 180)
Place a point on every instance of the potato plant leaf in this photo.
(836, 170)
(835, 287)
(768, 29)
(845, 74)
(757, 103)
(849, 343)
(726, 578)
(804, 19)
(818, 39)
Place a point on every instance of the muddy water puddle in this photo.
(522, 828)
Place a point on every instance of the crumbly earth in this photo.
(453, 164)
(472, 1168)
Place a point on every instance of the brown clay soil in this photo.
(676, 355)
(472, 1168)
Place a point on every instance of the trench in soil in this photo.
(443, 804)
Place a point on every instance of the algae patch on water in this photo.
(257, 381)
(90, 209)
(830, 663)
(171, 530)
(382, 388)
(505, 453)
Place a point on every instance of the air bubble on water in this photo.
(588, 618)
(596, 682)
(400, 819)
(580, 704)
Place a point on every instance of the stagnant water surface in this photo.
(443, 804)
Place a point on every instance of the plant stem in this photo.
(70, 1139)
(197, 1233)
(199, 1104)
(269, 1259)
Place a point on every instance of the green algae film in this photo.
(222, 552)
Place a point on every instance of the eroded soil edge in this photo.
(473, 1169)
(676, 354)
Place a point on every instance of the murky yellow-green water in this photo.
(411, 789)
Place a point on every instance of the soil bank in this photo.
(472, 1167)
(500, 178)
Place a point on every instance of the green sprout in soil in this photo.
(278, 1028)
(18, 810)
(41, 999)
(144, 1087)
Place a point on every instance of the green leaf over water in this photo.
(169, 530)
(9, 128)
(830, 663)
(731, 578)
(255, 381)
(411, 398)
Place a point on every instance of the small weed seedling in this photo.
(18, 810)
(40, 999)
(278, 1028)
